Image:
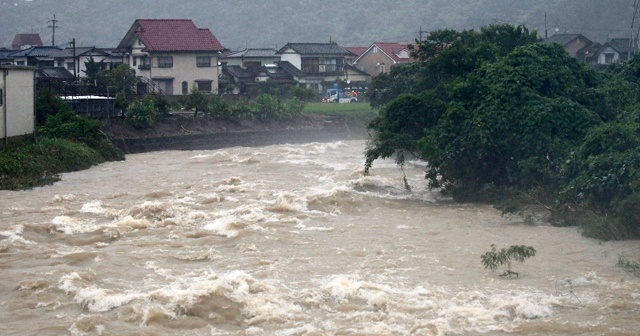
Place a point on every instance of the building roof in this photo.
(37, 52)
(31, 40)
(238, 72)
(83, 51)
(170, 35)
(357, 51)
(253, 53)
(621, 45)
(55, 72)
(290, 68)
(396, 51)
(330, 48)
(564, 39)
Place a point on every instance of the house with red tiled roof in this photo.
(356, 51)
(174, 54)
(381, 56)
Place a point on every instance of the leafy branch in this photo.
(506, 256)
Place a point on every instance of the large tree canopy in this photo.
(498, 109)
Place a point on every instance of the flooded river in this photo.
(290, 240)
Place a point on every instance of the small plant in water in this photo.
(506, 256)
(631, 266)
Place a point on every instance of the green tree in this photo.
(47, 103)
(197, 101)
(122, 79)
(142, 114)
(442, 60)
(513, 122)
(93, 68)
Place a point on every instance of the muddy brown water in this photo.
(289, 240)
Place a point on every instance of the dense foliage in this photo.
(66, 142)
(496, 112)
(39, 163)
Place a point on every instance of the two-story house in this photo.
(173, 54)
(318, 65)
(381, 56)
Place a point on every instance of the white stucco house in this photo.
(174, 55)
(318, 65)
(17, 102)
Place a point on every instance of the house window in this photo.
(330, 65)
(165, 85)
(310, 65)
(1, 97)
(145, 63)
(165, 62)
(135, 61)
(375, 49)
(19, 62)
(204, 86)
(185, 88)
(380, 67)
(70, 66)
(203, 61)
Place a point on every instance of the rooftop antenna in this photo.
(53, 26)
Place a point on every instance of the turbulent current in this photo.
(290, 240)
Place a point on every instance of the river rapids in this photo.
(290, 240)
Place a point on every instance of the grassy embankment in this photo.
(358, 114)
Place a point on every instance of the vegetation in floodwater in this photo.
(506, 256)
(631, 266)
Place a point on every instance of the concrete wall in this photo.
(17, 111)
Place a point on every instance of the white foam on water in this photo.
(64, 198)
(93, 298)
(69, 225)
(94, 207)
(14, 238)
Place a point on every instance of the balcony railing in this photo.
(144, 67)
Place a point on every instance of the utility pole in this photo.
(53, 26)
(546, 33)
(420, 33)
(73, 44)
(635, 26)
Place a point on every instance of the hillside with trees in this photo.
(248, 23)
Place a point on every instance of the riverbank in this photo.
(186, 132)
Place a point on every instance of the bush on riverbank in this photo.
(66, 142)
(26, 166)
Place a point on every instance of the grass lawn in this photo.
(344, 109)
